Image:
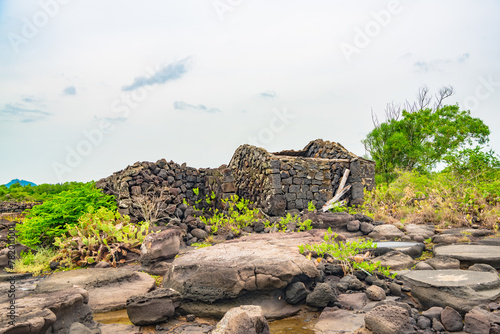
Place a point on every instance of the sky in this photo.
(89, 87)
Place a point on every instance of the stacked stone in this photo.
(327, 150)
(163, 186)
(305, 180)
(15, 207)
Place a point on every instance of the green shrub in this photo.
(46, 221)
(100, 235)
(236, 216)
(35, 263)
(346, 253)
(40, 193)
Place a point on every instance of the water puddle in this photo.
(302, 323)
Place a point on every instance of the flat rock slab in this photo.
(109, 288)
(413, 249)
(459, 289)
(47, 313)
(245, 266)
(339, 321)
(471, 254)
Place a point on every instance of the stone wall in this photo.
(275, 182)
(148, 190)
(15, 207)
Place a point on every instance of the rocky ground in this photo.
(244, 283)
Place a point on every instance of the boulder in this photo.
(479, 321)
(339, 321)
(433, 313)
(444, 239)
(483, 267)
(459, 289)
(451, 320)
(246, 319)
(108, 288)
(386, 232)
(48, 313)
(395, 260)
(389, 319)
(423, 266)
(324, 220)
(153, 307)
(354, 301)
(425, 231)
(295, 293)
(366, 228)
(413, 249)
(471, 254)
(245, 267)
(232, 268)
(353, 226)
(443, 263)
(322, 296)
(375, 293)
(161, 246)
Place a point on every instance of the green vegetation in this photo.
(35, 263)
(100, 235)
(199, 245)
(39, 193)
(346, 253)
(46, 221)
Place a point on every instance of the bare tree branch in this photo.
(423, 100)
(392, 111)
(375, 121)
(444, 93)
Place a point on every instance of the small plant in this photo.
(199, 245)
(158, 280)
(35, 263)
(346, 253)
(103, 235)
(311, 207)
(304, 225)
(236, 216)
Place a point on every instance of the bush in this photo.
(346, 253)
(100, 235)
(447, 197)
(49, 220)
(40, 193)
(35, 263)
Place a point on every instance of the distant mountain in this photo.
(21, 182)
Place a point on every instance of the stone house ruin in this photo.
(275, 182)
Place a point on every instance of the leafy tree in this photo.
(49, 220)
(419, 136)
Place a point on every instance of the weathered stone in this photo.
(353, 226)
(433, 313)
(108, 288)
(235, 268)
(395, 260)
(479, 321)
(443, 263)
(444, 239)
(483, 267)
(375, 293)
(451, 320)
(366, 228)
(338, 321)
(295, 293)
(425, 231)
(78, 328)
(247, 319)
(153, 307)
(388, 319)
(413, 249)
(199, 233)
(354, 301)
(386, 232)
(423, 266)
(437, 325)
(161, 246)
(471, 254)
(322, 296)
(423, 322)
(48, 313)
(459, 289)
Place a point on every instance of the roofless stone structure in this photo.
(276, 182)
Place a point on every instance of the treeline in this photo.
(39, 193)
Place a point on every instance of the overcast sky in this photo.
(88, 87)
